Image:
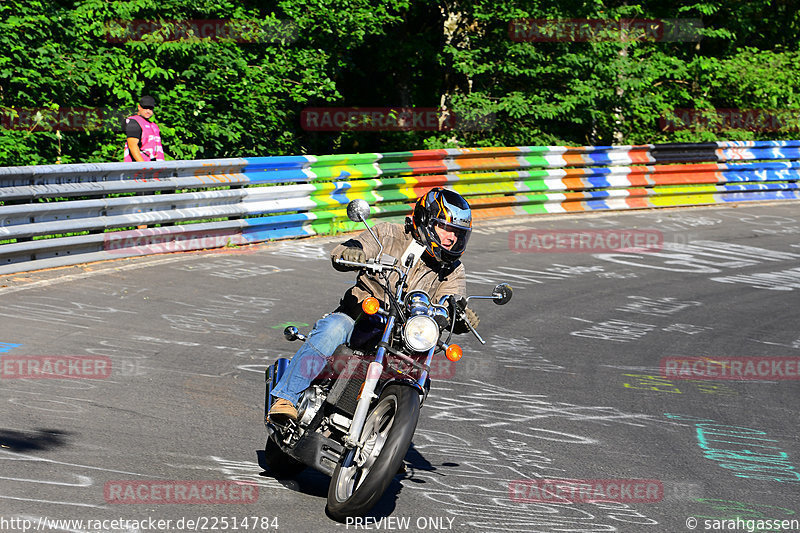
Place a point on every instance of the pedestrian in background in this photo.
(143, 137)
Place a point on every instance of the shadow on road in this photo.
(314, 483)
(415, 462)
(38, 439)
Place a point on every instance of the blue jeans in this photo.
(328, 333)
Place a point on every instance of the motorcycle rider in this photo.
(436, 234)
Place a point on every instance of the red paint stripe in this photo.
(420, 155)
(426, 183)
(418, 167)
(573, 183)
(493, 163)
(639, 179)
(686, 178)
(492, 207)
(573, 159)
(640, 154)
(575, 172)
(492, 201)
(574, 195)
(637, 202)
(574, 202)
(493, 212)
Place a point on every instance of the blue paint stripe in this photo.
(758, 144)
(597, 182)
(597, 204)
(764, 153)
(597, 194)
(600, 157)
(340, 193)
(604, 148)
(767, 175)
(7, 346)
(276, 176)
(596, 199)
(764, 165)
(767, 186)
(741, 176)
(600, 171)
(278, 220)
(275, 227)
(266, 234)
(276, 163)
(754, 195)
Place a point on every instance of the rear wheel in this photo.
(388, 431)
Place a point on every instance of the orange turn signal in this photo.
(454, 352)
(370, 305)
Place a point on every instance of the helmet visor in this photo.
(451, 237)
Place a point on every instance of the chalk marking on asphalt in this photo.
(92, 273)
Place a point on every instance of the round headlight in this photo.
(421, 333)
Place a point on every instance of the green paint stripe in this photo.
(396, 157)
(396, 169)
(533, 209)
(532, 186)
(345, 159)
(345, 172)
(528, 151)
(535, 161)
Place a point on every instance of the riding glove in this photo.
(470, 317)
(356, 255)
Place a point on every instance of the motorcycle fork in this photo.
(353, 438)
(374, 370)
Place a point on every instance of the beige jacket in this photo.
(427, 274)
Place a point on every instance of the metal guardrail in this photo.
(59, 215)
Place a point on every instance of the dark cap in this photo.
(147, 102)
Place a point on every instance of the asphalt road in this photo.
(570, 384)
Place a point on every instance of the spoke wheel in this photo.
(386, 437)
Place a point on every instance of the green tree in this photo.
(216, 98)
(244, 97)
(615, 89)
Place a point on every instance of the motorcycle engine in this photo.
(309, 404)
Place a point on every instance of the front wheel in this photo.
(387, 435)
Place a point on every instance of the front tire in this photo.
(388, 429)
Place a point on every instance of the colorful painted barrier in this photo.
(67, 214)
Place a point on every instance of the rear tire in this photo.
(389, 428)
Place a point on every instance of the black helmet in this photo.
(451, 212)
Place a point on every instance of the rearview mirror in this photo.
(291, 333)
(502, 294)
(358, 210)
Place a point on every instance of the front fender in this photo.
(423, 392)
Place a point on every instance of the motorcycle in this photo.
(357, 418)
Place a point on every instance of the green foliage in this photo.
(615, 90)
(236, 98)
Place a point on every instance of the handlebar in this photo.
(374, 267)
(380, 267)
